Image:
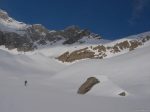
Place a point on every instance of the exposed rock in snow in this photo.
(122, 94)
(104, 51)
(87, 86)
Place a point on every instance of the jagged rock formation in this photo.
(102, 51)
(87, 86)
(14, 34)
(13, 40)
(73, 34)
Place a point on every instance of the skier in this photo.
(25, 82)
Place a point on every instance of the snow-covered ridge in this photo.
(138, 36)
(107, 50)
(9, 24)
(36, 35)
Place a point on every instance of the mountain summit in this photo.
(24, 37)
(3, 14)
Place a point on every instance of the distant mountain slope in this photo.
(8, 24)
(79, 43)
(14, 34)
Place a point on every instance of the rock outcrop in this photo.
(87, 86)
(102, 51)
(76, 55)
(13, 40)
(74, 33)
(122, 94)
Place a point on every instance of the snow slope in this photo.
(52, 86)
(127, 71)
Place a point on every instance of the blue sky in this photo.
(110, 18)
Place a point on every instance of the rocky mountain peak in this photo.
(39, 28)
(75, 33)
(15, 34)
(73, 28)
(3, 14)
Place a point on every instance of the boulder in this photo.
(87, 86)
(122, 94)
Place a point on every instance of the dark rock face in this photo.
(13, 40)
(40, 35)
(54, 36)
(1, 38)
(147, 38)
(42, 42)
(26, 47)
(87, 86)
(36, 32)
(26, 37)
(73, 34)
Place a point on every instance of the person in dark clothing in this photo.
(25, 82)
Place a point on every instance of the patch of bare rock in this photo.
(87, 85)
(100, 51)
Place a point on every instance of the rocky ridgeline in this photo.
(102, 51)
(34, 35)
(38, 35)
